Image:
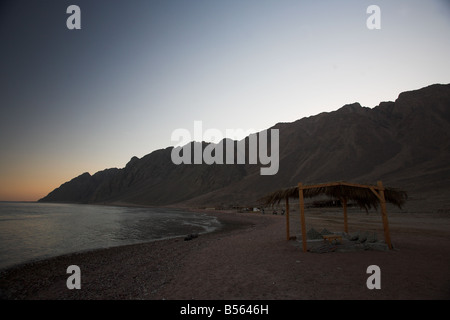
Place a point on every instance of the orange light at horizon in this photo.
(25, 185)
(23, 191)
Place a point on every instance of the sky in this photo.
(83, 100)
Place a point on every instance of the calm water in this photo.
(30, 231)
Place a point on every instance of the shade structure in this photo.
(366, 196)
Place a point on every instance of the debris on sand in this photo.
(191, 236)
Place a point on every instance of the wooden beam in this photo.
(302, 215)
(387, 236)
(287, 219)
(344, 205)
(356, 185)
(376, 193)
(321, 185)
(332, 184)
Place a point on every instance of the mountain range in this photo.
(405, 143)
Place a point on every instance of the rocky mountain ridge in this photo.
(405, 143)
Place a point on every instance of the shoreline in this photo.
(249, 258)
(122, 205)
(13, 278)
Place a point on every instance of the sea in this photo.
(32, 231)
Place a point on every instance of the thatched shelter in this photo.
(366, 196)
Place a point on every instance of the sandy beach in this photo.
(250, 259)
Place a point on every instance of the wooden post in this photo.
(387, 236)
(287, 219)
(344, 205)
(302, 215)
